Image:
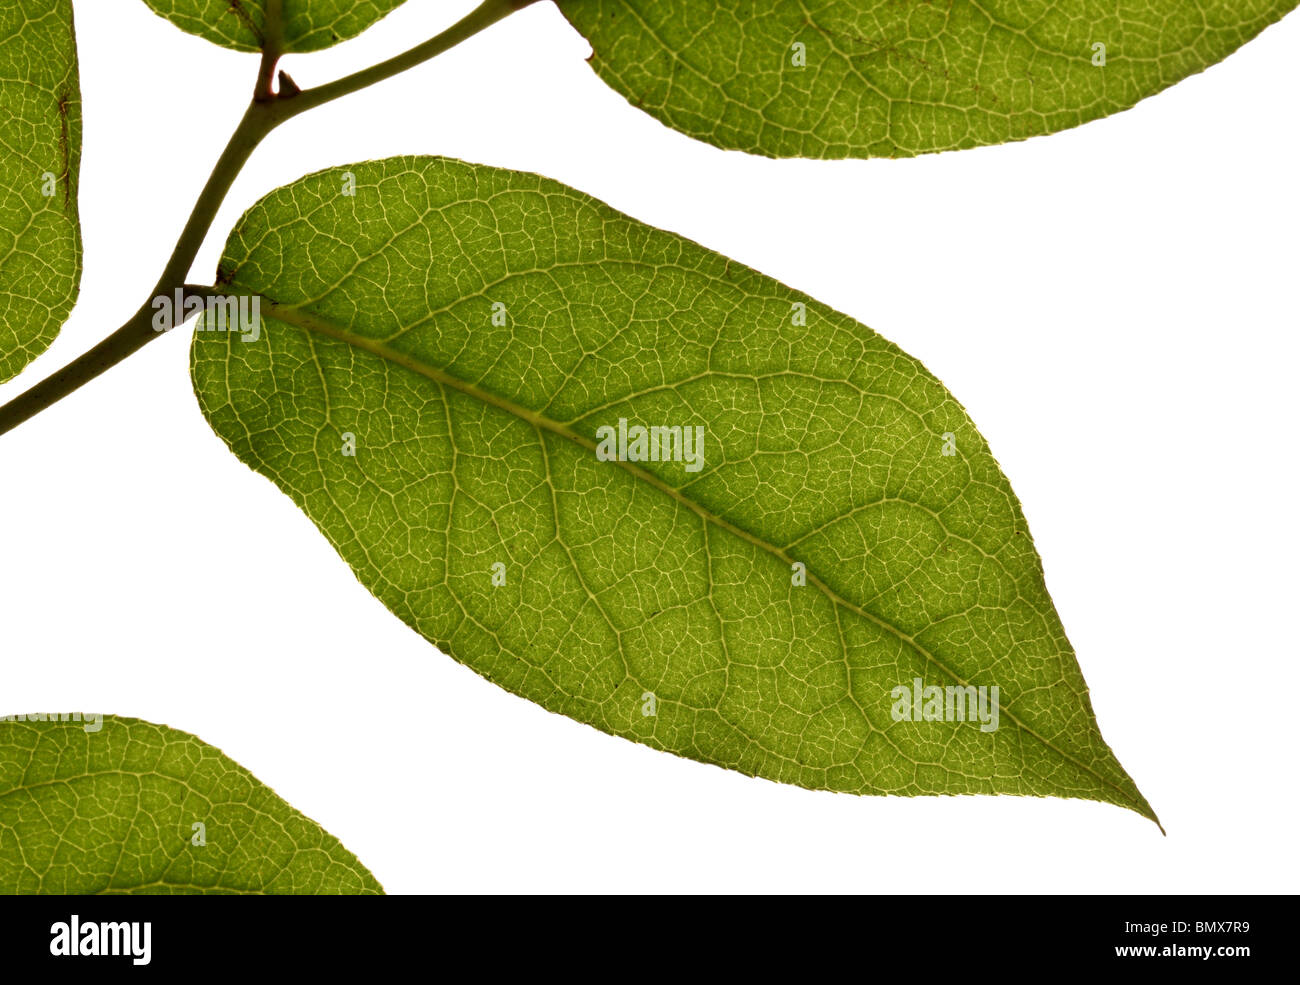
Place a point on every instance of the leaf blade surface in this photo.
(884, 78)
(40, 131)
(309, 25)
(113, 808)
(471, 330)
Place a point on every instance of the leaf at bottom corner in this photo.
(119, 805)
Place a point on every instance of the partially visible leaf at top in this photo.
(101, 804)
(894, 78)
(309, 25)
(40, 136)
(449, 376)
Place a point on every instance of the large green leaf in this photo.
(117, 805)
(438, 352)
(893, 78)
(309, 25)
(40, 135)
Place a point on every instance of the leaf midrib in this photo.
(311, 322)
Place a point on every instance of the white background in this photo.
(1116, 306)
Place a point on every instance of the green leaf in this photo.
(40, 134)
(309, 25)
(117, 805)
(437, 354)
(894, 78)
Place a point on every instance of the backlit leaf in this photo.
(117, 805)
(893, 78)
(40, 136)
(441, 345)
(309, 25)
